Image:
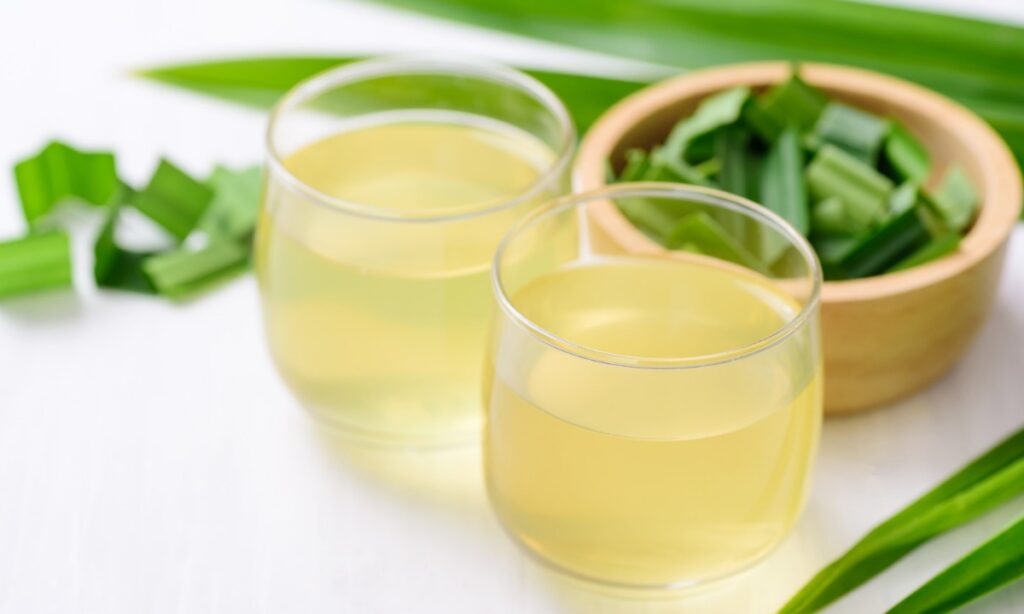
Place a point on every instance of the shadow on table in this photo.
(43, 309)
(764, 587)
(446, 479)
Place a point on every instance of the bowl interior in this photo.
(951, 134)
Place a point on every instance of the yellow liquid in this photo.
(379, 325)
(644, 476)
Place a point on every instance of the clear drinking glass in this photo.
(389, 185)
(652, 414)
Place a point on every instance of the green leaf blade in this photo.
(989, 480)
(998, 562)
(259, 82)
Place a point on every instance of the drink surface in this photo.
(379, 324)
(648, 476)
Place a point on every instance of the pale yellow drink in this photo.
(643, 475)
(376, 319)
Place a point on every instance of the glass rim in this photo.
(670, 190)
(422, 64)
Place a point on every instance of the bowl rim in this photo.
(1001, 178)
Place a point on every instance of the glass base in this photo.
(639, 592)
(467, 433)
(680, 587)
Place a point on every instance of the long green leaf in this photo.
(259, 82)
(970, 60)
(991, 479)
(996, 563)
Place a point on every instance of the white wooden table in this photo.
(151, 460)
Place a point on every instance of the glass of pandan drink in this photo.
(652, 415)
(389, 185)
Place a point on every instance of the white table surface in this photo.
(152, 461)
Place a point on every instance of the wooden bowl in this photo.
(886, 336)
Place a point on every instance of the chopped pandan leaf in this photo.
(739, 166)
(34, 263)
(655, 217)
(182, 274)
(828, 217)
(117, 268)
(712, 239)
(782, 181)
(637, 163)
(863, 191)
(761, 124)
(903, 197)
(235, 207)
(956, 200)
(173, 199)
(938, 247)
(739, 174)
(833, 249)
(708, 168)
(663, 167)
(716, 111)
(886, 245)
(857, 132)
(60, 171)
(905, 155)
(792, 103)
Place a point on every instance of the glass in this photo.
(652, 414)
(389, 185)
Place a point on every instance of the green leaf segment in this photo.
(223, 209)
